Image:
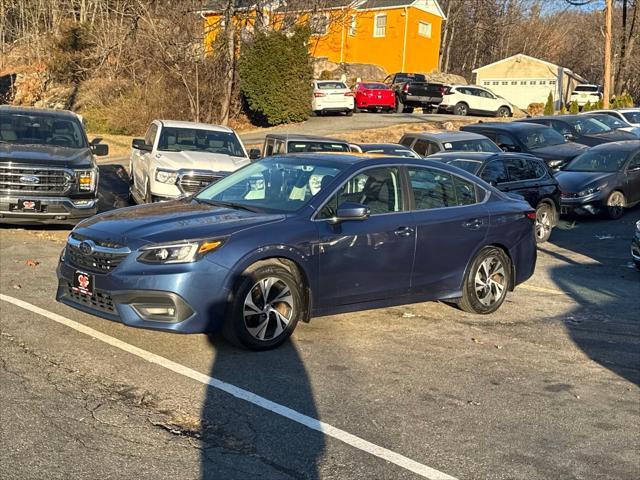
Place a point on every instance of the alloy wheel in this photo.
(268, 308)
(615, 204)
(543, 223)
(490, 281)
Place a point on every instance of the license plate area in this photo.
(83, 283)
(27, 206)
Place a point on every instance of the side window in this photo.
(406, 141)
(494, 172)
(268, 149)
(150, 136)
(465, 191)
(506, 140)
(421, 147)
(432, 188)
(539, 168)
(561, 128)
(278, 147)
(432, 148)
(634, 164)
(377, 188)
(520, 169)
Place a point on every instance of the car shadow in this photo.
(241, 440)
(113, 187)
(598, 274)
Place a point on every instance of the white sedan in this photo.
(332, 96)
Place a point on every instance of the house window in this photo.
(352, 26)
(380, 25)
(523, 82)
(543, 82)
(514, 82)
(319, 23)
(552, 82)
(505, 83)
(486, 83)
(496, 83)
(424, 29)
(533, 82)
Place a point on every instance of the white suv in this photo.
(467, 99)
(584, 94)
(181, 158)
(332, 96)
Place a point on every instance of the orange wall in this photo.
(421, 53)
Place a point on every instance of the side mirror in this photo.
(351, 211)
(139, 144)
(254, 154)
(95, 141)
(99, 149)
(569, 137)
(509, 148)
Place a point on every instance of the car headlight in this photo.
(591, 191)
(166, 176)
(179, 252)
(87, 179)
(555, 163)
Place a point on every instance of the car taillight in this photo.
(405, 89)
(349, 94)
(444, 90)
(531, 215)
(319, 94)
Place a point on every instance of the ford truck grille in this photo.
(35, 180)
(193, 183)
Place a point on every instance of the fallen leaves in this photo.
(31, 262)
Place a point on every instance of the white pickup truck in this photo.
(181, 158)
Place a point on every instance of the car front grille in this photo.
(103, 257)
(98, 301)
(34, 180)
(569, 195)
(193, 183)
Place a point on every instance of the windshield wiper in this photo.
(220, 203)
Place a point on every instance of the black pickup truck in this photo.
(48, 172)
(414, 91)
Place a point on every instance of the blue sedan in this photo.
(293, 237)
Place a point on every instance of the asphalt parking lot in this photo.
(546, 388)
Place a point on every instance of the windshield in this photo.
(598, 161)
(299, 147)
(540, 137)
(275, 184)
(632, 117)
(470, 166)
(393, 151)
(173, 139)
(41, 129)
(586, 125)
(609, 121)
(331, 85)
(475, 145)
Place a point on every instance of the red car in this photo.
(374, 96)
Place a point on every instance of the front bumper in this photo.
(181, 298)
(589, 204)
(52, 209)
(635, 248)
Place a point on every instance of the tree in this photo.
(276, 76)
(573, 108)
(549, 108)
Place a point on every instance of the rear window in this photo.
(298, 147)
(632, 117)
(476, 145)
(375, 86)
(331, 85)
(586, 88)
(410, 77)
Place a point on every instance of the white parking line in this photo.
(312, 423)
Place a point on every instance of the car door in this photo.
(523, 179)
(366, 260)
(141, 158)
(474, 100)
(451, 221)
(490, 103)
(632, 179)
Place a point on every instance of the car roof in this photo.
(480, 156)
(300, 137)
(552, 117)
(39, 111)
(199, 126)
(449, 136)
(518, 125)
(624, 146)
(383, 145)
(630, 109)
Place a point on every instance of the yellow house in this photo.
(397, 35)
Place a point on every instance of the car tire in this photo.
(250, 317)
(615, 205)
(399, 106)
(318, 113)
(349, 113)
(545, 217)
(461, 109)
(486, 282)
(503, 112)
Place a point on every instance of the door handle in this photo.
(474, 224)
(403, 231)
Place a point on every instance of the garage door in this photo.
(522, 92)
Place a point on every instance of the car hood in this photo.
(613, 136)
(564, 151)
(186, 160)
(48, 155)
(574, 182)
(170, 221)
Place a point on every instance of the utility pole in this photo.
(606, 87)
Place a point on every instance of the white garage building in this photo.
(523, 80)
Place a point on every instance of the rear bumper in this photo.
(420, 100)
(52, 209)
(374, 103)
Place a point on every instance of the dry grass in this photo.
(119, 145)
